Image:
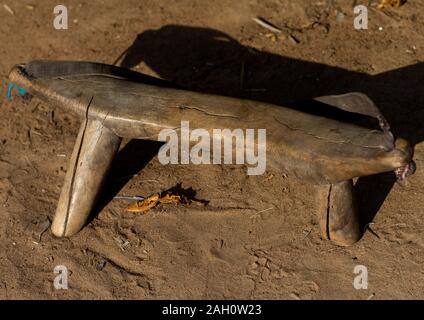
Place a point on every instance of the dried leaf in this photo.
(167, 197)
(392, 3)
(170, 198)
(144, 205)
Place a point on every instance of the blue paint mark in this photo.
(9, 92)
(21, 90)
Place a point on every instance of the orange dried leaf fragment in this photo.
(392, 3)
(166, 197)
(170, 198)
(144, 205)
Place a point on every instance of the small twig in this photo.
(7, 8)
(122, 243)
(36, 132)
(129, 176)
(264, 210)
(307, 233)
(371, 296)
(256, 214)
(293, 39)
(5, 201)
(367, 227)
(133, 198)
(263, 23)
(120, 57)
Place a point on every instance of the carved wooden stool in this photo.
(114, 103)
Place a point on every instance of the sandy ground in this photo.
(258, 238)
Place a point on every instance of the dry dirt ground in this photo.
(258, 238)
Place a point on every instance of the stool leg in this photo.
(90, 162)
(338, 213)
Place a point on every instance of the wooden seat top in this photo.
(138, 106)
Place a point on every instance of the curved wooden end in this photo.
(91, 160)
(338, 213)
